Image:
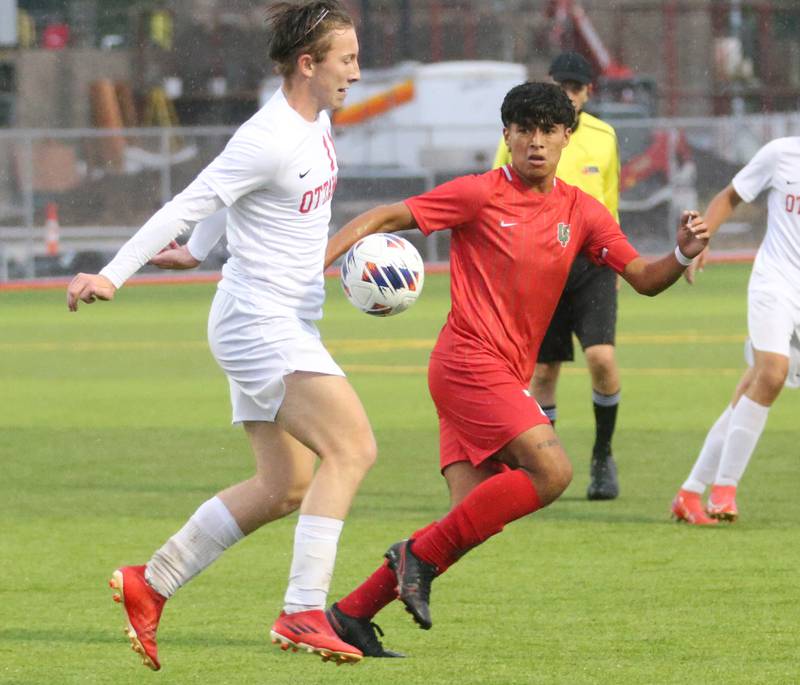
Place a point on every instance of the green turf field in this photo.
(114, 428)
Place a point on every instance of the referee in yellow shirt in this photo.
(588, 305)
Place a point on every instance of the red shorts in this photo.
(481, 406)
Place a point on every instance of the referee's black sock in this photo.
(605, 418)
(551, 412)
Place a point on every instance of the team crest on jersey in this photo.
(563, 234)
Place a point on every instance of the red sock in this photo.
(376, 591)
(498, 500)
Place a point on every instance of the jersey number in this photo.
(792, 201)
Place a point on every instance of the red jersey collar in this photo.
(514, 178)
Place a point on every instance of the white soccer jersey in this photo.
(776, 166)
(276, 175)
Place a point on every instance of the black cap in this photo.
(571, 66)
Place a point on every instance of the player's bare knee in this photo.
(561, 477)
(770, 379)
(602, 365)
(603, 369)
(551, 479)
(354, 453)
(282, 498)
(365, 453)
(293, 500)
(295, 493)
(278, 506)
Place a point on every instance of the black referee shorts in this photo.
(587, 308)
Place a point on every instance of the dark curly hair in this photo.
(536, 104)
(303, 28)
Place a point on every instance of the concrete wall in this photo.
(53, 85)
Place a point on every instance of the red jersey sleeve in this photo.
(605, 243)
(449, 205)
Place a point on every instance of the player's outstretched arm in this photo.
(194, 204)
(381, 219)
(651, 278)
(718, 212)
(88, 288)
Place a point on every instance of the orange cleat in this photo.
(722, 503)
(143, 607)
(687, 506)
(310, 630)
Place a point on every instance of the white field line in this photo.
(569, 371)
(353, 346)
(337, 346)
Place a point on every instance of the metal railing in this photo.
(107, 183)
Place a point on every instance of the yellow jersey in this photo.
(590, 161)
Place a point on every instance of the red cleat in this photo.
(310, 630)
(687, 506)
(143, 607)
(722, 503)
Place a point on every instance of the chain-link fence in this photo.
(98, 187)
(674, 164)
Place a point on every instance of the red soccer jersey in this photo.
(510, 253)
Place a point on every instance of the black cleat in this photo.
(359, 632)
(414, 578)
(603, 478)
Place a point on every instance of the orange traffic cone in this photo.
(51, 229)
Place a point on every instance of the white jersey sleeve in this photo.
(206, 235)
(245, 165)
(756, 175)
(175, 218)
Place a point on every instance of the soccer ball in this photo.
(382, 274)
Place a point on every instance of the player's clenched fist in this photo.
(696, 224)
(692, 233)
(88, 288)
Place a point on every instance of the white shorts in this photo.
(773, 324)
(256, 350)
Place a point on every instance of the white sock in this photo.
(206, 535)
(315, 542)
(705, 468)
(747, 424)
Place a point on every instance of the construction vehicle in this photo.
(657, 167)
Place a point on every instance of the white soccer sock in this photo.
(206, 535)
(705, 468)
(747, 424)
(315, 541)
